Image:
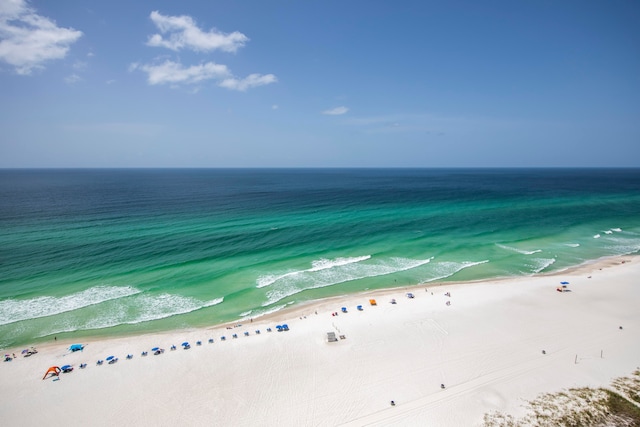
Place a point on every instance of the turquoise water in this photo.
(111, 252)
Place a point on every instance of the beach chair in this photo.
(99, 362)
(234, 336)
(344, 309)
(129, 356)
(210, 340)
(359, 308)
(257, 331)
(223, 338)
(246, 334)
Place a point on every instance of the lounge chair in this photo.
(246, 334)
(129, 356)
(83, 365)
(223, 338)
(210, 340)
(99, 362)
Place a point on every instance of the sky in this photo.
(290, 83)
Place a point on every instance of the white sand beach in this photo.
(486, 347)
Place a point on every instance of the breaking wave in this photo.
(16, 310)
(445, 269)
(520, 251)
(291, 284)
(319, 265)
(130, 311)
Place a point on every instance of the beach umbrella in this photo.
(25, 351)
(155, 349)
(76, 347)
(184, 344)
(564, 283)
(110, 357)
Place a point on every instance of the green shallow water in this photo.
(111, 252)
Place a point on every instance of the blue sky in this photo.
(290, 83)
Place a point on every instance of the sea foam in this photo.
(137, 309)
(288, 285)
(520, 251)
(16, 310)
(319, 265)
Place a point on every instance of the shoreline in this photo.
(297, 310)
(486, 347)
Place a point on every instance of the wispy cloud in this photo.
(28, 40)
(174, 73)
(183, 33)
(337, 111)
(73, 78)
(253, 80)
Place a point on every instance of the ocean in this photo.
(110, 252)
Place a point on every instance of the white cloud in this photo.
(176, 73)
(73, 78)
(253, 80)
(28, 40)
(336, 111)
(182, 32)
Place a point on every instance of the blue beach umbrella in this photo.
(564, 283)
(76, 347)
(185, 343)
(155, 349)
(110, 357)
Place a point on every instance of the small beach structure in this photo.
(66, 369)
(344, 309)
(373, 302)
(331, 337)
(54, 371)
(111, 360)
(76, 347)
(359, 308)
(186, 345)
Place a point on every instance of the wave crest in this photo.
(288, 285)
(319, 265)
(17, 310)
